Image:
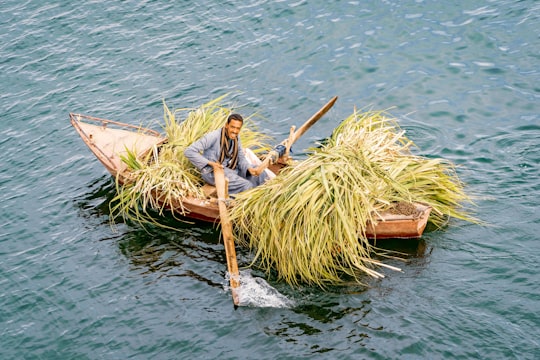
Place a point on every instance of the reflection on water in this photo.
(95, 202)
(404, 248)
(154, 249)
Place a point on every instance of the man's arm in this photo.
(195, 151)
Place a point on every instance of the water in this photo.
(256, 292)
(463, 79)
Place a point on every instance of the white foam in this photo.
(256, 292)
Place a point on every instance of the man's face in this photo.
(233, 129)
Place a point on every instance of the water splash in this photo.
(256, 292)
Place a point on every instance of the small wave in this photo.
(256, 292)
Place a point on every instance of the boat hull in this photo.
(109, 141)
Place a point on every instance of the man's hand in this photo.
(255, 171)
(215, 164)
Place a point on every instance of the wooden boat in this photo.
(108, 140)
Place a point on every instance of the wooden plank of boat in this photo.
(109, 139)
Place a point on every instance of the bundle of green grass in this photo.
(308, 224)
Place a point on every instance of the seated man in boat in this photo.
(222, 148)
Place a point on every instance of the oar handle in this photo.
(295, 135)
(305, 126)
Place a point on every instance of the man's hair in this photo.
(236, 117)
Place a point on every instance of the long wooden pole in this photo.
(295, 135)
(226, 232)
(312, 120)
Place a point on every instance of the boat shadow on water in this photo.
(152, 249)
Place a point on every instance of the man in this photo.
(222, 148)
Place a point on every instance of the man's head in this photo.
(234, 125)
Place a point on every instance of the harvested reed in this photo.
(309, 223)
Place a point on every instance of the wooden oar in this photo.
(301, 130)
(319, 114)
(226, 232)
